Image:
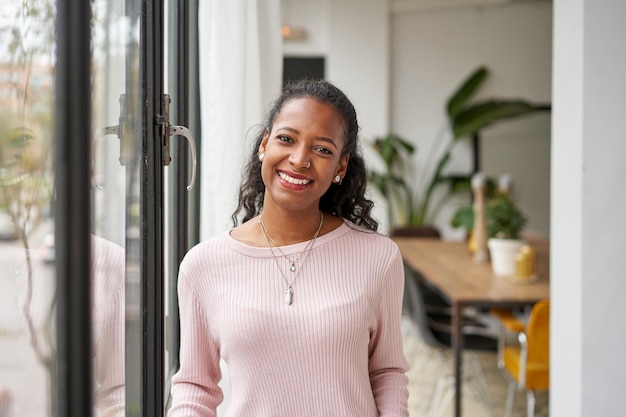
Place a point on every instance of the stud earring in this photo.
(261, 156)
(338, 179)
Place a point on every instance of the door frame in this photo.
(73, 374)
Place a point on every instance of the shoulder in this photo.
(102, 249)
(355, 242)
(370, 237)
(108, 260)
(108, 271)
(203, 254)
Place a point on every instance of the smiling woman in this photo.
(303, 151)
(311, 104)
(303, 299)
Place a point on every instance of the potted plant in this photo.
(505, 222)
(408, 207)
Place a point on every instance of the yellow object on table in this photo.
(525, 264)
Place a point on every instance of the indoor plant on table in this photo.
(505, 222)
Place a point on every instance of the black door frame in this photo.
(73, 209)
(152, 200)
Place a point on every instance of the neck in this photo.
(288, 229)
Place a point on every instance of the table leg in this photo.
(457, 343)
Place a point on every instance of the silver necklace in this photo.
(292, 264)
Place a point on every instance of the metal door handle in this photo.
(108, 130)
(186, 133)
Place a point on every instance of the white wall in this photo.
(434, 49)
(353, 37)
(588, 225)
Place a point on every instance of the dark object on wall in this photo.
(297, 68)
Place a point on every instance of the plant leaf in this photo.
(482, 114)
(504, 218)
(466, 91)
(389, 148)
(408, 147)
(459, 182)
(463, 217)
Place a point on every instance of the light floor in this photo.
(429, 366)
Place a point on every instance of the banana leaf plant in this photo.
(465, 118)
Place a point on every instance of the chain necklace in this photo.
(292, 264)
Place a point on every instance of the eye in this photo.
(284, 138)
(323, 150)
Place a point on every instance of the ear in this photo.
(263, 144)
(342, 168)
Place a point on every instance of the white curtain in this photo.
(240, 74)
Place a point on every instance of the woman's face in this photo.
(302, 154)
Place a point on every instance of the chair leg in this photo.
(445, 390)
(530, 403)
(482, 385)
(447, 400)
(444, 385)
(510, 399)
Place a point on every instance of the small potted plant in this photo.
(505, 222)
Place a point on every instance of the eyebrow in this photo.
(322, 138)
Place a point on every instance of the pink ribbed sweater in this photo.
(108, 274)
(335, 352)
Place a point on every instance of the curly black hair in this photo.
(346, 199)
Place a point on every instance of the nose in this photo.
(300, 158)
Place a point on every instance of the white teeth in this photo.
(293, 180)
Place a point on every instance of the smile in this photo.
(292, 180)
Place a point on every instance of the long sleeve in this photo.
(387, 364)
(195, 390)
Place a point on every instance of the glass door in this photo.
(137, 143)
(28, 296)
(85, 137)
(149, 158)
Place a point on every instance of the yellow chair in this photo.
(527, 363)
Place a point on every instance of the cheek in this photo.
(265, 171)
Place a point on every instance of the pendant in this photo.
(292, 267)
(288, 296)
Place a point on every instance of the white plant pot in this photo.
(502, 253)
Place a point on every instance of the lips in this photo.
(293, 180)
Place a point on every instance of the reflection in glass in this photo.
(115, 192)
(107, 270)
(115, 195)
(27, 281)
(27, 269)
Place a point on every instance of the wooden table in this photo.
(448, 268)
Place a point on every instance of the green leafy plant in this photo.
(503, 218)
(465, 118)
(394, 152)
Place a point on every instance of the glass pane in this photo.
(180, 231)
(115, 196)
(27, 277)
(116, 202)
(27, 281)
